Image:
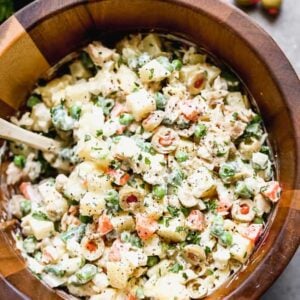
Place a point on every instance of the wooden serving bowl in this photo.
(38, 36)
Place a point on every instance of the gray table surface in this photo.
(285, 30)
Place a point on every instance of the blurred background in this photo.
(285, 29)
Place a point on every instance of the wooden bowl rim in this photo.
(291, 81)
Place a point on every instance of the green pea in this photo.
(159, 191)
(76, 232)
(258, 220)
(25, 207)
(226, 238)
(242, 190)
(152, 261)
(86, 273)
(126, 119)
(29, 244)
(55, 270)
(32, 101)
(160, 100)
(217, 226)
(75, 112)
(181, 156)
(20, 161)
(227, 172)
(177, 64)
(200, 131)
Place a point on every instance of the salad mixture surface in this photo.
(165, 180)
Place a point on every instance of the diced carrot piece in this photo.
(190, 110)
(117, 110)
(145, 226)
(195, 220)
(272, 191)
(116, 249)
(124, 179)
(104, 225)
(253, 232)
(85, 183)
(131, 297)
(119, 176)
(115, 253)
(27, 190)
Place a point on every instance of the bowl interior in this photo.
(43, 33)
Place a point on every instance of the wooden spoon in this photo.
(12, 132)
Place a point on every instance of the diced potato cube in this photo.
(41, 229)
(123, 223)
(118, 273)
(78, 92)
(98, 53)
(126, 148)
(153, 71)
(152, 246)
(202, 183)
(236, 101)
(241, 248)
(90, 122)
(160, 269)
(169, 287)
(95, 151)
(127, 78)
(172, 229)
(92, 204)
(151, 44)
(140, 104)
(57, 85)
(212, 72)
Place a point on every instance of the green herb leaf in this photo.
(133, 239)
(38, 215)
(193, 237)
(112, 202)
(152, 261)
(211, 205)
(174, 211)
(75, 112)
(85, 219)
(176, 268)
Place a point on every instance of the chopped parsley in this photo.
(176, 268)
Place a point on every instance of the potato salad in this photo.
(163, 185)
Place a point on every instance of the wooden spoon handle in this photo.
(12, 132)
